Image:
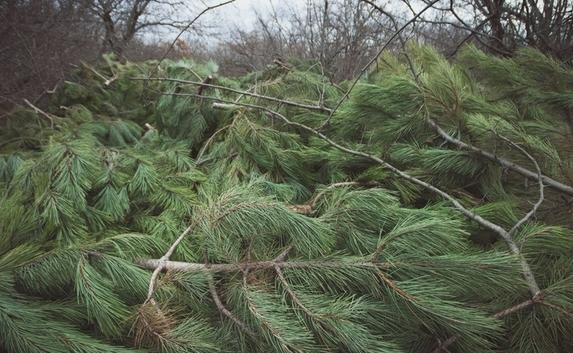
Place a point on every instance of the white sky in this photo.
(243, 14)
(239, 14)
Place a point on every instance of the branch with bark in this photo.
(162, 263)
(554, 184)
(178, 266)
(497, 229)
(233, 90)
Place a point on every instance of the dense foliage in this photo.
(291, 245)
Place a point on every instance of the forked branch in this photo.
(536, 206)
(162, 263)
(223, 309)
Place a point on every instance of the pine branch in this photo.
(536, 206)
(229, 89)
(163, 265)
(501, 161)
(367, 66)
(504, 234)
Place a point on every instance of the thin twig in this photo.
(207, 143)
(283, 255)
(292, 294)
(106, 81)
(41, 112)
(221, 307)
(310, 206)
(443, 346)
(162, 263)
(209, 8)
(536, 206)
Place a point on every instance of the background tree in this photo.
(122, 20)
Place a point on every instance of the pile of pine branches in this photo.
(168, 209)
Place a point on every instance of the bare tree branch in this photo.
(184, 29)
(155, 264)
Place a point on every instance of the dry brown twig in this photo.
(42, 113)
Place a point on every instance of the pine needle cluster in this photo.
(280, 242)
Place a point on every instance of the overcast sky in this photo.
(239, 14)
(243, 14)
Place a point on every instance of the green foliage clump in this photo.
(292, 246)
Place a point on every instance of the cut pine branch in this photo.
(162, 262)
(497, 229)
(162, 265)
(552, 183)
(228, 89)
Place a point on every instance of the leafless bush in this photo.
(39, 40)
(341, 35)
